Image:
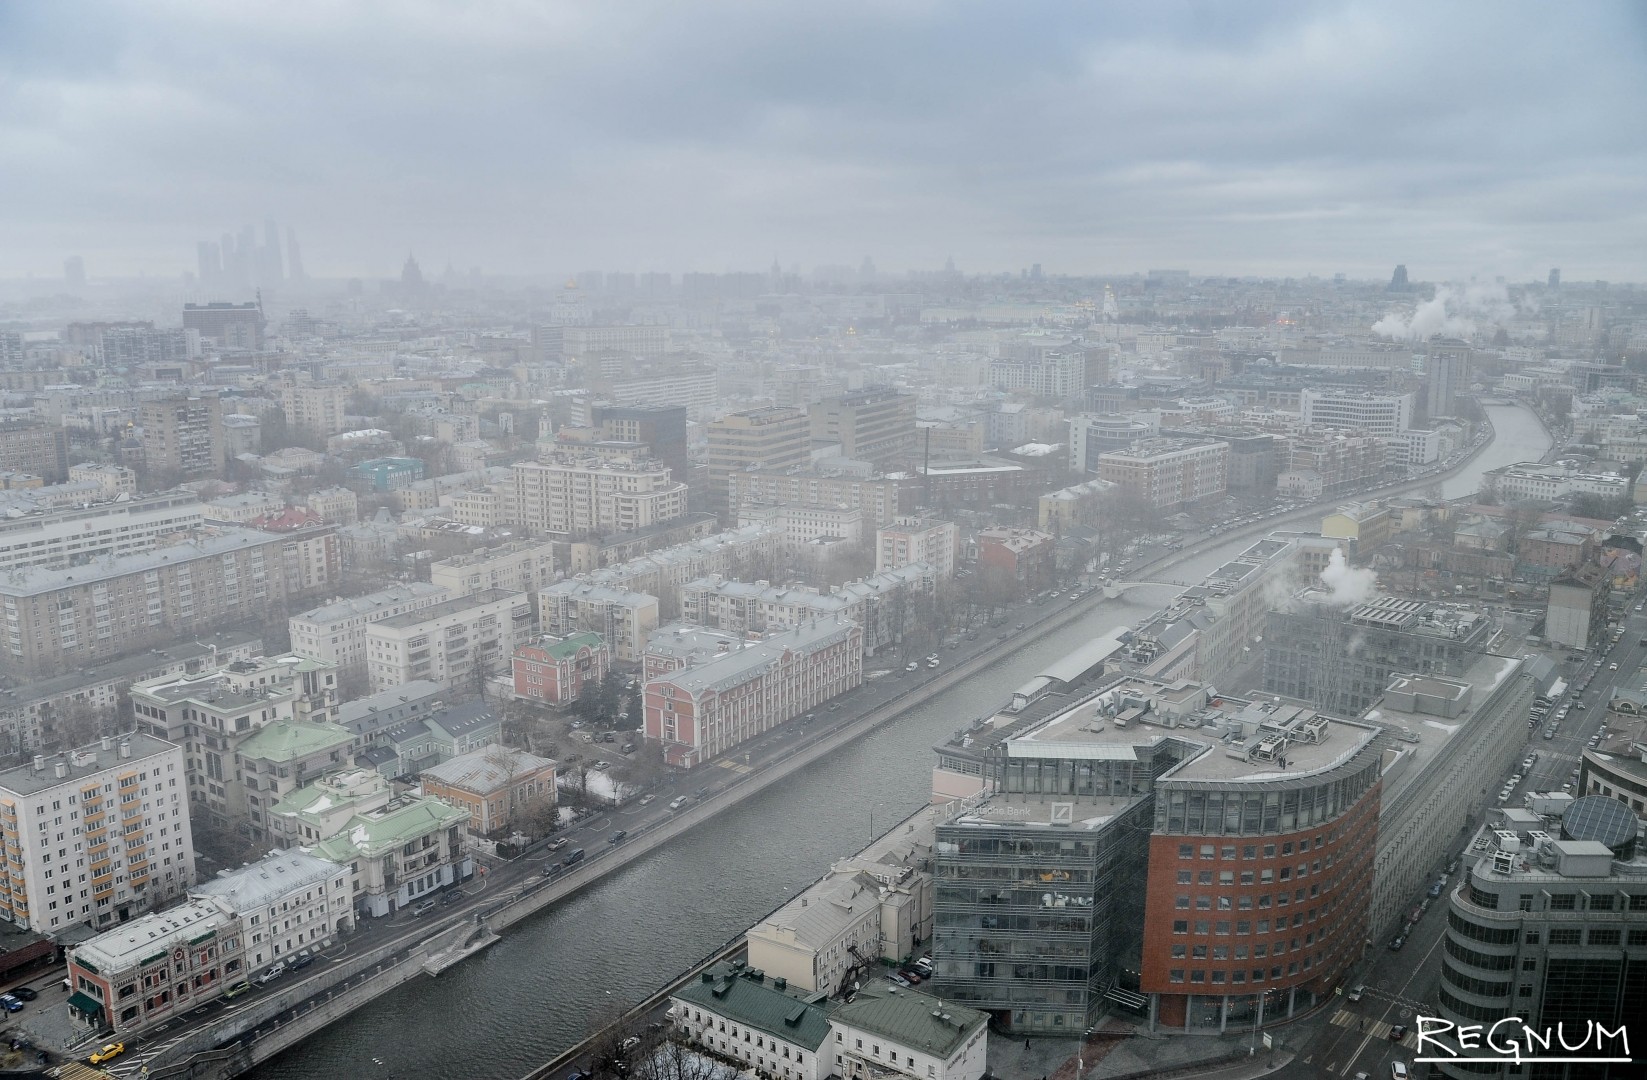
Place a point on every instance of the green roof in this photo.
(285, 740)
(379, 832)
(907, 1018)
(759, 1005)
(567, 647)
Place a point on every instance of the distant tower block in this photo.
(1398, 280)
(1555, 277)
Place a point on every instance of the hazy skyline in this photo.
(1291, 139)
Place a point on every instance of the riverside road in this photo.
(554, 977)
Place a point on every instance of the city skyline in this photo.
(1285, 141)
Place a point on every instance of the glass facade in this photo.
(1035, 922)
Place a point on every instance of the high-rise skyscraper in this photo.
(294, 256)
(74, 272)
(269, 270)
(1398, 280)
(210, 262)
(1555, 277)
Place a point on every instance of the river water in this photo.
(551, 979)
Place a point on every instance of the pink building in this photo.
(556, 670)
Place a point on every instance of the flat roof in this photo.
(84, 762)
(214, 540)
(448, 607)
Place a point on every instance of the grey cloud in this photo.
(540, 137)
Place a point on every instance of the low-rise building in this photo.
(885, 1032)
(556, 670)
(703, 709)
(498, 786)
(156, 967)
(736, 1013)
(285, 902)
(1168, 473)
(399, 852)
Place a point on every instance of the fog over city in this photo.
(897, 540)
(1279, 138)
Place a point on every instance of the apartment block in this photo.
(320, 410)
(622, 618)
(231, 326)
(522, 566)
(183, 436)
(29, 445)
(882, 604)
(214, 714)
(708, 706)
(917, 540)
(574, 497)
(117, 807)
(71, 617)
(455, 642)
(68, 535)
(336, 632)
(285, 902)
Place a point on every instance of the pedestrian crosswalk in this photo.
(1378, 1029)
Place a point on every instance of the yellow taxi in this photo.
(109, 1052)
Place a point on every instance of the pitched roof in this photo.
(261, 883)
(912, 1019)
(485, 770)
(760, 1005)
(286, 740)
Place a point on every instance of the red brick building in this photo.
(1260, 872)
(556, 670)
(1020, 556)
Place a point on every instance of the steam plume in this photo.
(1347, 585)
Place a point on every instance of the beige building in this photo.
(875, 425)
(622, 617)
(318, 410)
(71, 617)
(871, 906)
(335, 505)
(454, 642)
(916, 540)
(183, 436)
(1168, 473)
(522, 566)
(336, 632)
(286, 902)
(774, 438)
(880, 499)
(582, 496)
(95, 836)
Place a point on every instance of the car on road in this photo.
(648, 797)
(1398, 1070)
(601, 765)
(10, 1003)
(107, 1052)
(302, 960)
(241, 987)
(1435, 890)
(558, 843)
(1613, 666)
(924, 966)
(617, 837)
(574, 856)
(1358, 993)
(677, 802)
(912, 666)
(274, 972)
(1397, 941)
(423, 909)
(1020, 627)
(27, 993)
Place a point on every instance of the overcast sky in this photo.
(525, 136)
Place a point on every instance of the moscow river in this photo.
(550, 980)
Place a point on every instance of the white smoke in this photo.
(1452, 312)
(1347, 585)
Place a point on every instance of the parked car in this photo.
(302, 960)
(897, 979)
(1398, 1070)
(574, 856)
(274, 972)
(558, 843)
(24, 992)
(627, 748)
(10, 1003)
(1435, 890)
(677, 802)
(617, 837)
(241, 987)
(912, 666)
(423, 909)
(1397, 941)
(648, 797)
